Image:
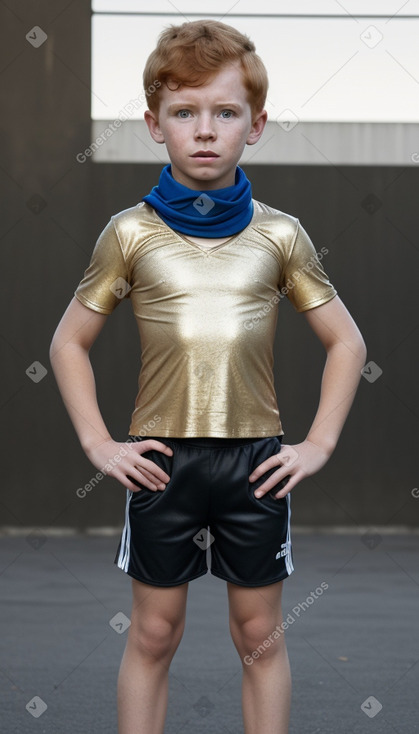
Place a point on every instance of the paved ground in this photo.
(357, 640)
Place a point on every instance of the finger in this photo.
(152, 443)
(140, 474)
(264, 467)
(296, 479)
(135, 488)
(272, 481)
(286, 457)
(126, 480)
(150, 482)
(153, 471)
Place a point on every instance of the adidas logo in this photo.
(283, 552)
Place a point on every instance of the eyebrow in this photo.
(185, 103)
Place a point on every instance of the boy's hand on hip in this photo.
(294, 464)
(124, 462)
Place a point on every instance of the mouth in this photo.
(205, 154)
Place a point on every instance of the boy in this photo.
(205, 266)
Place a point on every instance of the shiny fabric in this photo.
(227, 211)
(208, 502)
(206, 317)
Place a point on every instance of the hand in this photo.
(124, 462)
(296, 462)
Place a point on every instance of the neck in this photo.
(222, 212)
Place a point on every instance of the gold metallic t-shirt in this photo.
(206, 317)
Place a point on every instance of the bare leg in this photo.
(266, 687)
(157, 624)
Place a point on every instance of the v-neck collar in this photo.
(202, 247)
(207, 250)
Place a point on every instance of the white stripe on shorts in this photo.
(124, 552)
(288, 559)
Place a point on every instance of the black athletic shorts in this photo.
(208, 503)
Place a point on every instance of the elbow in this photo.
(360, 348)
(56, 347)
(353, 349)
(359, 351)
(52, 348)
(363, 350)
(56, 344)
(54, 356)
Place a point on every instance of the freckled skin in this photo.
(216, 116)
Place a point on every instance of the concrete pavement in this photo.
(353, 648)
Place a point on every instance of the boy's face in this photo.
(215, 117)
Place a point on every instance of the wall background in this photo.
(53, 209)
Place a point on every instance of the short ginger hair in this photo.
(191, 53)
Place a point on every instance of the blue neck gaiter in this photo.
(214, 213)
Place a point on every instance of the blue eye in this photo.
(230, 113)
(180, 113)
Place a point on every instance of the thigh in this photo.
(158, 603)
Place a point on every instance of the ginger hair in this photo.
(191, 53)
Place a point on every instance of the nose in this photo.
(204, 129)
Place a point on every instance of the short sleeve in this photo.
(303, 279)
(106, 281)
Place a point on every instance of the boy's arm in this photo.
(346, 353)
(73, 338)
(69, 356)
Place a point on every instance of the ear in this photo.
(258, 127)
(153, 125)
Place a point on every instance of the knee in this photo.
(256, 638)
(156, 638)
